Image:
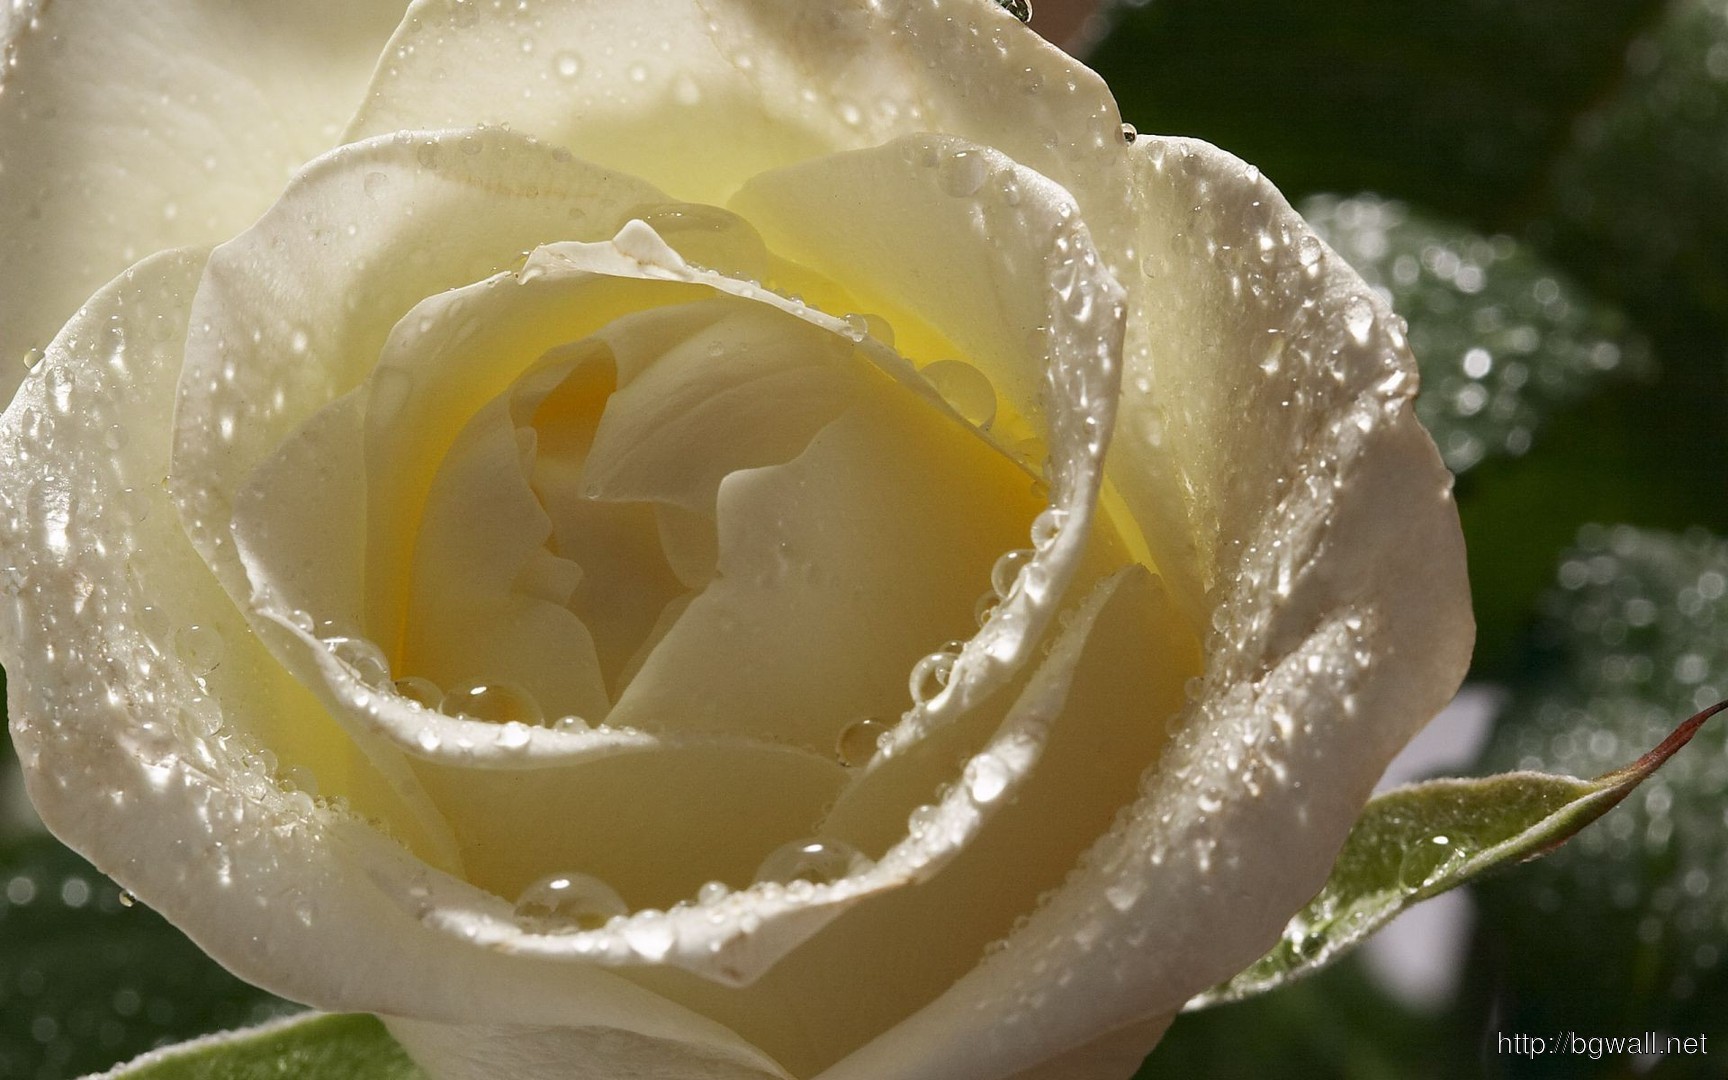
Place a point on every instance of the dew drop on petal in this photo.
(199, 647)
(985, 607)
(818, 861)
(420, 690)
(858, 742)
(1007, 570)
(713, 892)
(568, 903)
(495, 702)
(1129, 133)
(1359, 318)
(986, 778)
(962, 173)
(363, 657)
(930, 675)
(965, 388)
(567, 64)
(1047, 526)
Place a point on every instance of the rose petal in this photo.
(1331, 551)
(940, 231)
(296, 311)
(717, 808)
(784, 79)
(846, 566)
(115, 112)
(109, 701)
(569, 1053)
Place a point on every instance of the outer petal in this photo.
(111, 696)
(131, 128)
(1324, 542)
(785, 80)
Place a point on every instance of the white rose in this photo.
(488, 395)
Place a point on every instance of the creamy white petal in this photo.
(1329, 550)
(783, 80)
(108, 694)
(939, 232)
(296, 311)
(837, 573)
(1034, 793)
(131, 128)
(568, 1053)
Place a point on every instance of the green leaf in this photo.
(1635, 629)
(1504, 341)
(1425, 839)
(315, 1046)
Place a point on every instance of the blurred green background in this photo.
(1542, 188)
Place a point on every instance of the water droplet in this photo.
(986, 778)
(686, 91)
(497, 703)
(962, 173)
(1020, 9)
(965, 388)
(32, 357)
(570, 724)
(1427, 861)
(200, 647)
(1359, 318)
(638, 73)
(127, 899)
(423, 691)
(930, 675)
(568, 65)
(568, 903)
(857, 327)
(1047, 526)
(858, 742)
(1129, 133)
(299, 342)
(713, 892)
(363, 657)
(985, 607)
(1007, 570)
(818, 861)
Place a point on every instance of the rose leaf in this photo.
(351, 1046)
(1424, 839)
(1504, 340)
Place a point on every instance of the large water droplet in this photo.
(965, 388)
(962, 173)
(930, 675)
(199, 647)
(1007, 570)
(858, 742)
(1047, 526)
(818, 861)
(568, 903)
(1020, 9)
(423, 691)
(364, 657)
(1426, 861)
(495, 702)
(986, 778)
